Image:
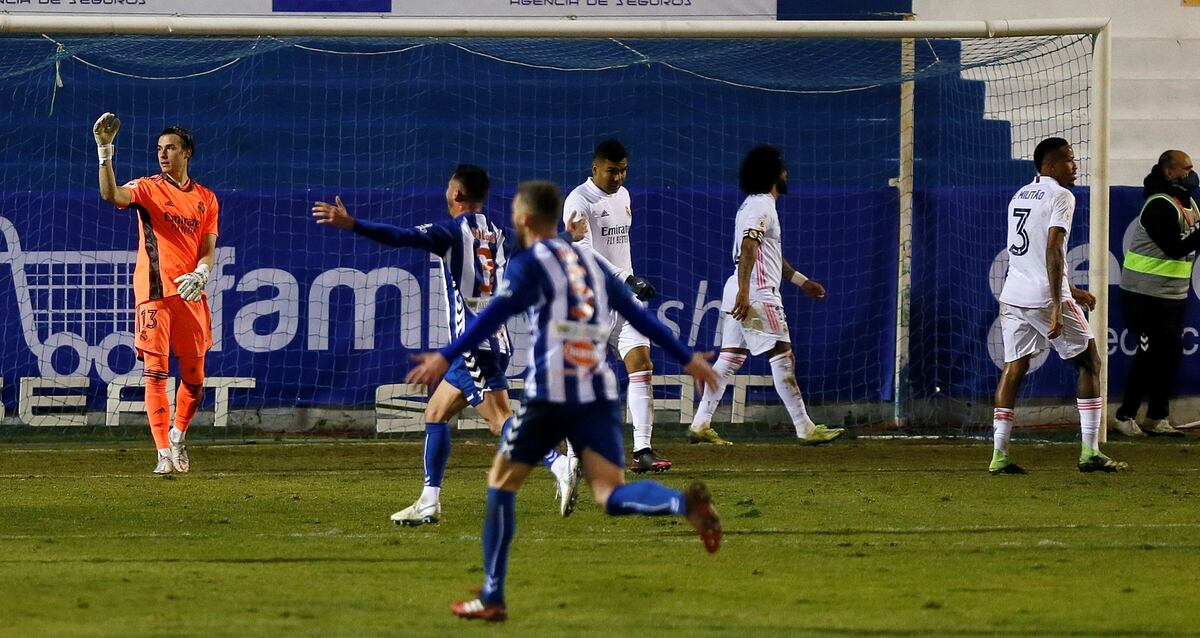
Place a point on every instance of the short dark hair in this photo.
(474, 181)
(610, 149)
(1167, 158)
(184, 135)
(542, 199)
(761, 170)
(1046, 147)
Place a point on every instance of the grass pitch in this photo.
(857, 538)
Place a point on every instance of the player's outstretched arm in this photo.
(105, 133)
(811, 287)
(434, 238)
(334, 214)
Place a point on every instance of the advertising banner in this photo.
(499, 9)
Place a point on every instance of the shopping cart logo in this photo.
(76, 307)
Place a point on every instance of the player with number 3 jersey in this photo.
(1039, 308)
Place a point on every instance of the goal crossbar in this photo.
(469, 28)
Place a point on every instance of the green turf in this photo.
(859, 538)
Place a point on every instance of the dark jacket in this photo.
(1161, 221)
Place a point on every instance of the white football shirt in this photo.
(609, 218)
(1033, 211)
(758, 219)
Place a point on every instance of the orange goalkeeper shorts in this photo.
(172, 324)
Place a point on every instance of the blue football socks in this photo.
(648, 498)
(499, 527)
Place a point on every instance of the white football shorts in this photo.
(624, 338)
(1025, 330)
(763, 327)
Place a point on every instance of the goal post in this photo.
(833, 80)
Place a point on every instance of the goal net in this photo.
(313, 328)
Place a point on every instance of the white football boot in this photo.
(179, 455)
(418, 513)
(164, 465)
(568, 486)
(1129, 427)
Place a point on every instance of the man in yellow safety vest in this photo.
(1155, 280)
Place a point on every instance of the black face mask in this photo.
(1187, 183)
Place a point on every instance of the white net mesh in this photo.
(316, 318)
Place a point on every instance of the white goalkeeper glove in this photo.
(105, 131)
(191, 285)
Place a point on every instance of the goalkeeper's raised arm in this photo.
(105, 132)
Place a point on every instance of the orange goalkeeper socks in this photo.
(158, 409)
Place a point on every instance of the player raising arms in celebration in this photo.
(1040, 309)
(603, 203)
(471, 250)
(756, 323)
(570, 391)
(177, 243)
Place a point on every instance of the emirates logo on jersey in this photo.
(183, 224)
(581, 354)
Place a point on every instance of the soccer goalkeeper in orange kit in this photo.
(177, 239)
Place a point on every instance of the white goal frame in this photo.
(1098, 28)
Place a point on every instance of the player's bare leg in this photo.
(783, 372)
(727, 365)
(640, 395)
(1002, 416)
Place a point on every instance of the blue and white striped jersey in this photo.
(471, 251)
(567, 295)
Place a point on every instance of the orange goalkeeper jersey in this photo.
(172, 220)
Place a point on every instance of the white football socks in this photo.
(1089, 422)
(1002, 423)
(783, 371)
(726, 367)
(640, 397)
(430, 495)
